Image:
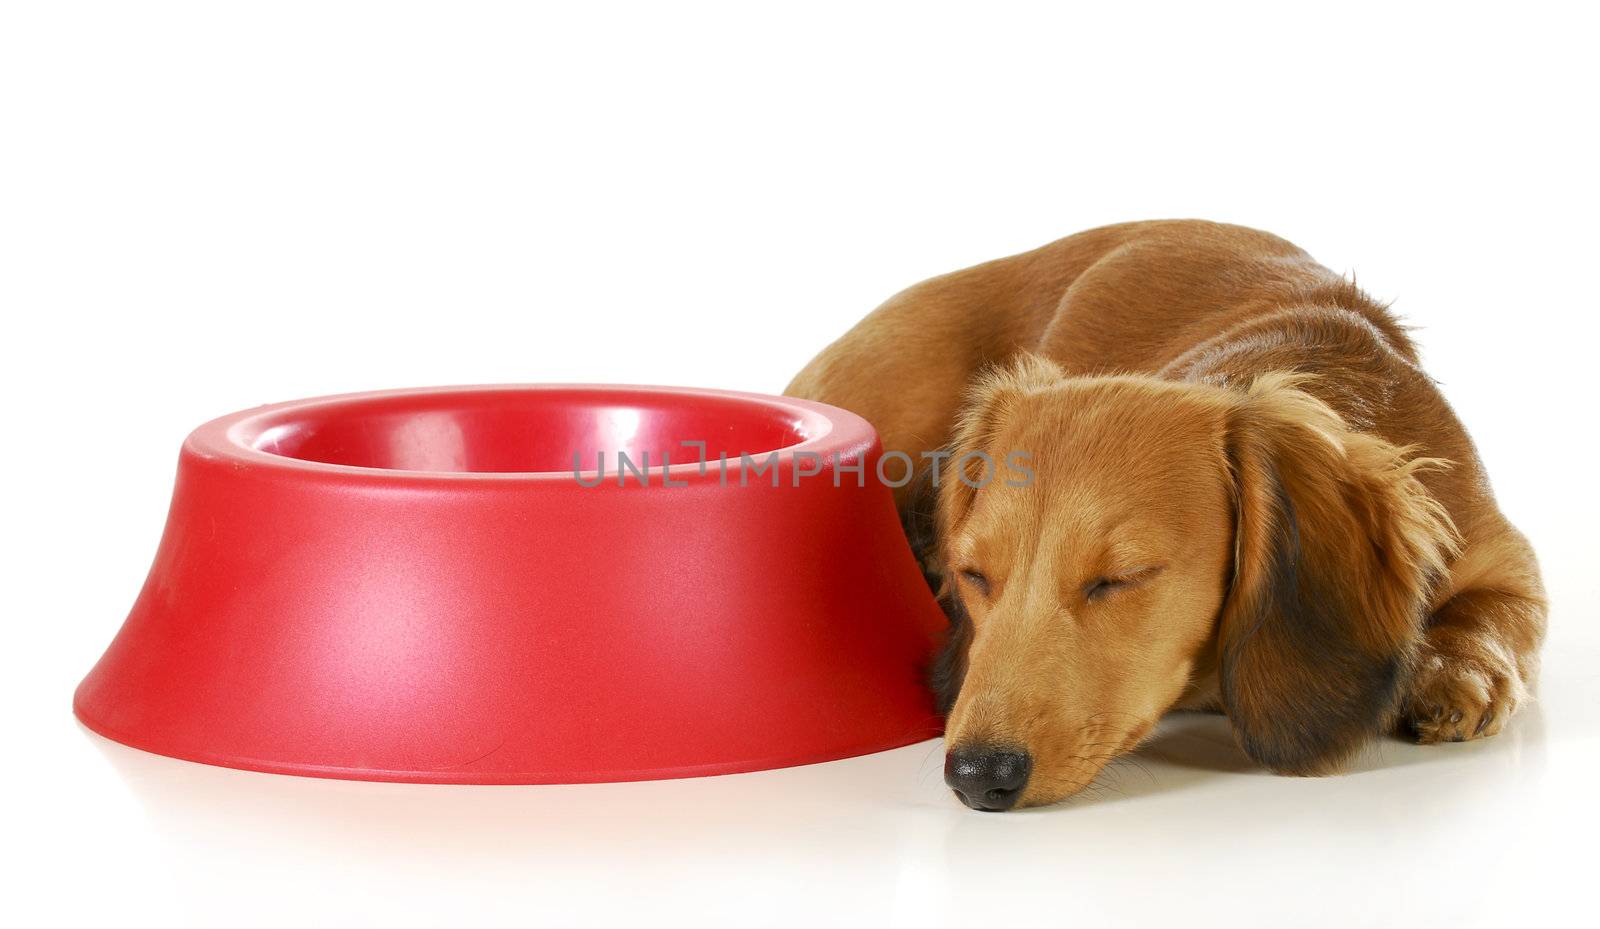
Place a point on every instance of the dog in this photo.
(1247, 497)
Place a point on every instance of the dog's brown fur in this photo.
(1246, 496)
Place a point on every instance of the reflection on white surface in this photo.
(1186, 833)
(875, 839)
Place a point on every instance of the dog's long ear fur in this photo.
(1336, 545)
(988, 401)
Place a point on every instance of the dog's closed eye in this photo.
(976, 578)
(1102, 587)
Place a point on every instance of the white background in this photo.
(206, 206)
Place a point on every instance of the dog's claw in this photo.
(1454, 699)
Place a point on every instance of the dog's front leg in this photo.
(1480, 653)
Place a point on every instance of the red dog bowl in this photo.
(417, 586)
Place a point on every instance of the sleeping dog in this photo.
(1247, 497)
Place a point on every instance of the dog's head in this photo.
(1172, 539)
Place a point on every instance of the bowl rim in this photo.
(230, 438)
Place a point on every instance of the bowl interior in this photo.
(528, 430)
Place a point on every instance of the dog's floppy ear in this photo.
(988, 401)
(1336, 545)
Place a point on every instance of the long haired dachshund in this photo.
(1247, 496)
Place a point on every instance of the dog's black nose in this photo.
(989, 779)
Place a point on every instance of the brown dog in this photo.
(1245, 495)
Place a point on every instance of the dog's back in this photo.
(1176, 299)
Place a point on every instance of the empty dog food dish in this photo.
(527, 584)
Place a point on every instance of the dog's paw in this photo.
(1454, 699)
